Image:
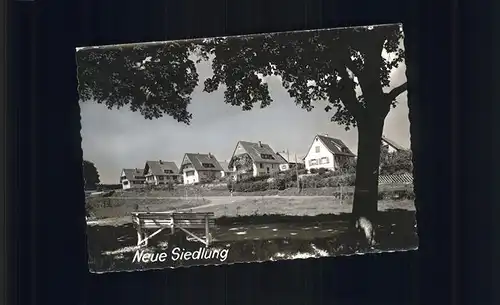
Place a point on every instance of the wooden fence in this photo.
(405, 178)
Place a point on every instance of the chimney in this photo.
(210, 155)
(161, 162)
(260, 144)
(325, 134)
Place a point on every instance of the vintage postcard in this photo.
(246, 149)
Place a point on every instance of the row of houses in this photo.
(248, 159)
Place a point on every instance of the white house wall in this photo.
(130, 185)
(323, 153)
(191, 179)
(122, 179)
(126, 186)
(391, 149)
(273, 168)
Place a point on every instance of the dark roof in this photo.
(158, 167)
(225, 166)
(392, 143)
(198, 159)
(284, 155)
(132, 173)
(255, 150)
(336, 146)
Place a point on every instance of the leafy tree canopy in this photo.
(397, 162)
(90, 175)
(157, 79)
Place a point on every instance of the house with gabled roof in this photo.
(292, 160)
(254, 159)
(161, 172)
(132, 178)
(327, 152)
(391, 146)
(200, 168)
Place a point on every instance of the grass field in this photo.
(293, 206)
(255, 238)
(237, 205)
(115, 207)
(181, 191)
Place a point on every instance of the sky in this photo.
(119, 138)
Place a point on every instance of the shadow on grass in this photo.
(275, 218)
(255, 239)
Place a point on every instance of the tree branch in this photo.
(347, 93)
(395, 92)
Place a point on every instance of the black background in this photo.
(449, 58)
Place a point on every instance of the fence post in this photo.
(341, 195)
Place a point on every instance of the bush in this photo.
(328, 180)
(348, 167)
(288, 179)
(290, 175)
(407, 194)
(322, 171)
(257, 178)
(397, 163)
(302, 171)
(280, 184)
(108, 187)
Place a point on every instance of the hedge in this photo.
(286, 180)
(289, 179)
(107, 187)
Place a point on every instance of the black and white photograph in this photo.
(265, 147)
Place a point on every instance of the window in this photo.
(261, 165)
(268, 170)
(160, 178)
(208, 165)
(125, 182)
(317, 149)
(272, 165)
(139, 177)
(324, 160)
(168, 171)
(313, 162)
(190, 173)
(267, 156)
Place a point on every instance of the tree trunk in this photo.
(367, 170)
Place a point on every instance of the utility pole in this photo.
(297, 173)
